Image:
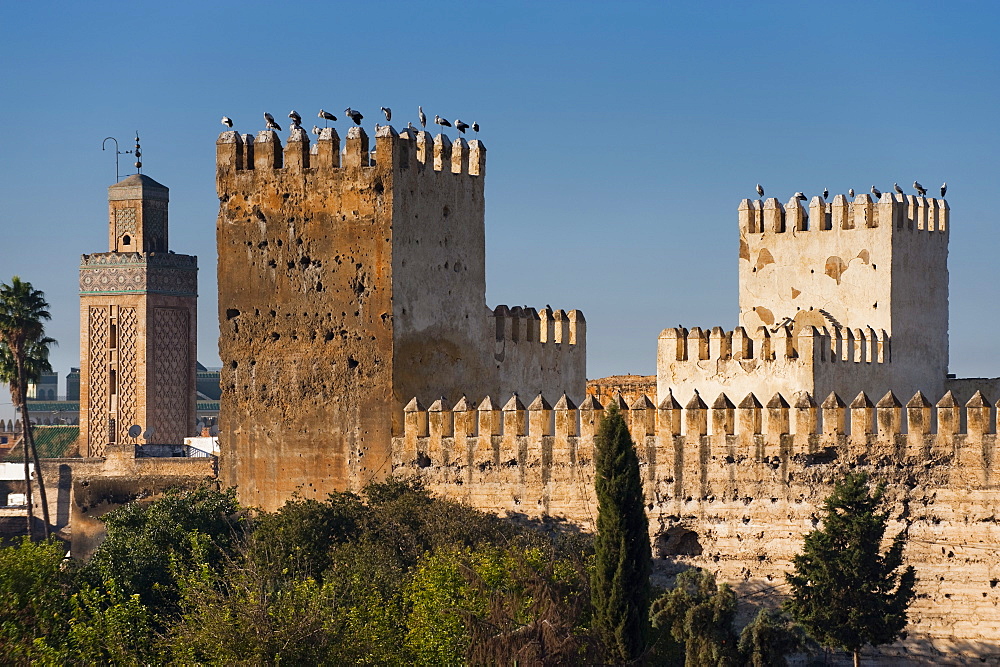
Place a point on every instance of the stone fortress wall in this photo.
(353, 279)
(734, 488)
(356, 342)
(735, 362)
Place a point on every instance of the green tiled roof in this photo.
(52, 406)
(52, 442)
(208, 406)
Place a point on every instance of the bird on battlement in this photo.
(944, 189)
(296, 118)
(353, 115)
(899, 190)
(388, 114)
(921, 190)
(443, 122)
(460, 126)
(422, 117)
(760, 190)
(326, 115)
(316, 130)
(227, 121)
(271, 125)
(475, 128)
(800, 196)
(850, 193)
(409, 126)
(826, 193)
(876, 192)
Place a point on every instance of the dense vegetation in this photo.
(389, 577)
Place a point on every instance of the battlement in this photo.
(264, 153)
(522, 324)
(838, 345)
(892, 211)
(785, 426)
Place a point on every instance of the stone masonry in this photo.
(349, 281)
(866, 281)
(735, 488)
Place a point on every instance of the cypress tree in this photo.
(845, 592)
(623, 558)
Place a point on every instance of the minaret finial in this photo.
(138, 154)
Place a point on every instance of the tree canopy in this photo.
(23, 358)
(847, 592)
(623, 557)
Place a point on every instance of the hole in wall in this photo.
(678, 541)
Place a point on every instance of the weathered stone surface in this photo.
(740, 503)
(856, 291)
(350, 281)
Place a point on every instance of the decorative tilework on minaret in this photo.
(138, 316)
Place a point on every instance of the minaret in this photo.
(138, 309)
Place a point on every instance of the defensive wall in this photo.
(733, 484)
(819, 361)
(350, 279)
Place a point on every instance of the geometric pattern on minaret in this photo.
(138, 324)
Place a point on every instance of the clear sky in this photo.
(621, 135)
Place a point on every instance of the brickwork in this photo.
(138, 326)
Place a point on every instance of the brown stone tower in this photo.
(137, 326)
(317, 302)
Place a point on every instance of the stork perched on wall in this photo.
(270, 123)
(326, 116)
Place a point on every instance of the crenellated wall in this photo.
(351, 278)
(734, 484)
(818, 361)
(841, 296)
(540, 352)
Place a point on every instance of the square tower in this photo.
(845, 296)
(874, 272)
(138, 317)
(350, 282)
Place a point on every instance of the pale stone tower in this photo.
(846, 296)
(137, 326)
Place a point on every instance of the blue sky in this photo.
(621, 135)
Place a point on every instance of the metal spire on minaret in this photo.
(138, 154)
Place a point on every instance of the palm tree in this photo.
(36, 362)
(22, 310)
